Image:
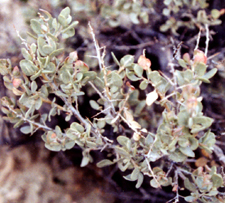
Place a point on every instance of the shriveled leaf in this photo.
(151, 97)
(80, 65)
(200, 162)
(128, 116)
(207, 141)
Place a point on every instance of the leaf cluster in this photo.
(183, 128)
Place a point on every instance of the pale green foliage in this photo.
(132, 11)
(175, 9)
(115, 13)
(183, 129)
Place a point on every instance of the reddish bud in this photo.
(81, 65)
(222, 11)
(16, 82)
(175, 188)
(53, 135)
(199, 56)
(130, 86)
(144, 62)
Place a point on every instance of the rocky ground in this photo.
(28, 174)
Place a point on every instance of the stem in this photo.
(38, 125)
(153, 175)
(207, 39)
(50, 102)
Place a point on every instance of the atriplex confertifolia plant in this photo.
(181, 132)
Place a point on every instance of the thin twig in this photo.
(77, 114)
(198, 39)
(56, 105)
(138, 46)
(38, 125)
(103, 68)
(96, 46)
(207, 39)
(95, 88)
(23, 40)
(176, 198)
(130, 126)
(153, 175)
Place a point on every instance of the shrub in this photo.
(183, 129)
